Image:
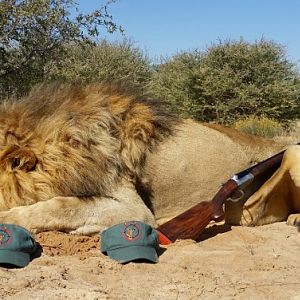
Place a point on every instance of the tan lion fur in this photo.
(80, 159)
(276, 200)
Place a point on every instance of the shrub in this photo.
(172, 80)
(109, 61)
(230, 80)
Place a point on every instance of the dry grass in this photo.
(291, 136)
(260, 126)
(269, 128)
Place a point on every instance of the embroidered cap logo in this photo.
(132, 231)
(5, 236)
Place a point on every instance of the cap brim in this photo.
(127, 254)
(19, 259)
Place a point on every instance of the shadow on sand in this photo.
(213, 231)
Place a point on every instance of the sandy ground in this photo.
(228, 263)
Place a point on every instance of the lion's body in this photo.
(78, 159)
(190, 166)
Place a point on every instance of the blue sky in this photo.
(165, 27)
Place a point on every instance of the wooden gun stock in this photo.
(191, 223)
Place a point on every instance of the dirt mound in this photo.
(58, 243)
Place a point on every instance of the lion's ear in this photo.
(22, 159)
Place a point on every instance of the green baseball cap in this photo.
(16, 245)
(130, 241)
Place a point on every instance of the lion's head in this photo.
(65, 140)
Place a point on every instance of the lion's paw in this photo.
(293, 219)
(8, 217)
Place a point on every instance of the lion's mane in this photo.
(67, 140)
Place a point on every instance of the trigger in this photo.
(218, 215)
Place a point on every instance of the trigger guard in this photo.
(236, 199)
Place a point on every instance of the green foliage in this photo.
(230, 80)
(172, 80)
(34, 33)
(262, 126)
(118, 62)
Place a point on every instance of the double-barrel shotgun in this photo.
(191, 223)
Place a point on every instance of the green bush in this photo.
(172, 80)
(230, 80)
(109, 61)
(261, 126)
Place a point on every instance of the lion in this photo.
(79, 159)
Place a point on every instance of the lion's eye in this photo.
(15, 163)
